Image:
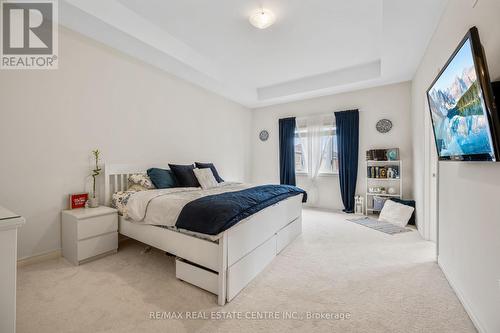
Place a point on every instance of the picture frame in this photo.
(78, 200)
(383, 173)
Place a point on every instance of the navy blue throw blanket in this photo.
(215, 213)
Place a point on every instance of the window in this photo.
(329, 162)
(300, 162)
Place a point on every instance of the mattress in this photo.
(211, 238)
(201, 212)
(181, 195)
(168, 202)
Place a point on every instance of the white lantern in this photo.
(359, 205)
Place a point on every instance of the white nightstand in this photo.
(9, 222)
(89, 232)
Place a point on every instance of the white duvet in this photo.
(163, 207)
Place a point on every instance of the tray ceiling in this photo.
(316, 47)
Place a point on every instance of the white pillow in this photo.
(396, 213)
(205, 178)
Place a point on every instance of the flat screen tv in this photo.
(464, 117)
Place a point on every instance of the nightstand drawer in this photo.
(97, 225)
(97, 245)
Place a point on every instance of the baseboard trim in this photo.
(39, 258)
(462, 299)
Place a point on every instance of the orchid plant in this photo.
(97, 170)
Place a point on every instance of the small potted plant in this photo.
(93, 200)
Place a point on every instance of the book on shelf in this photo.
(390, 154)
(383, 172)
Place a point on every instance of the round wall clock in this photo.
(263, 135)
(384, 125)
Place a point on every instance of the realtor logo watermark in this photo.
(29, 38)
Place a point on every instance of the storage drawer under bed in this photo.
(286, 235)
(244, 270)
(194, 274)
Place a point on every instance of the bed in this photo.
(223, 263)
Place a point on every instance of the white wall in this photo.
(392, 102)
(469, 210)
(135, 113)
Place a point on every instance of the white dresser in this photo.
(9, 222)
(89, 232)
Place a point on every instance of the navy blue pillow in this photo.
(410, 203)
(185, 175)
(162, 178)
(210, 166)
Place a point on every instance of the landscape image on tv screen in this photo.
(458, 109)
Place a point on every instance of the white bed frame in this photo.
(223, 266)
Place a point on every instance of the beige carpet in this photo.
(383, 283)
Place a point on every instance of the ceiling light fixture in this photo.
(262, 18)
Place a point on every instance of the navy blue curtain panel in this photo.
(287, 151)
(347, 123)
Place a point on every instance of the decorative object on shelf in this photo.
(263, 135)
(392, 154)
(376, 155)
(383, 180)
(374, 190)
(359, 205)
(383, 173)
(93, 201)
(384, 125)
(390, 172)
(395, 171)
(78, 200)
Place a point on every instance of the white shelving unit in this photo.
(396, 183)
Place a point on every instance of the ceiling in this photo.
(316, 47)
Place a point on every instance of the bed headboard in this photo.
(116, 178)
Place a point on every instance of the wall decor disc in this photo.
(263, 135)
(384, 125)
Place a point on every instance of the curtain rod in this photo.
(330, 114)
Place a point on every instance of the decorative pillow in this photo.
(140, 179)
(184, 175)
(378, 203)
(396, 213)
(211, 166)
(119, 201)
(136, 188)
(162, 178)
(410, 203)
(205, 178)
